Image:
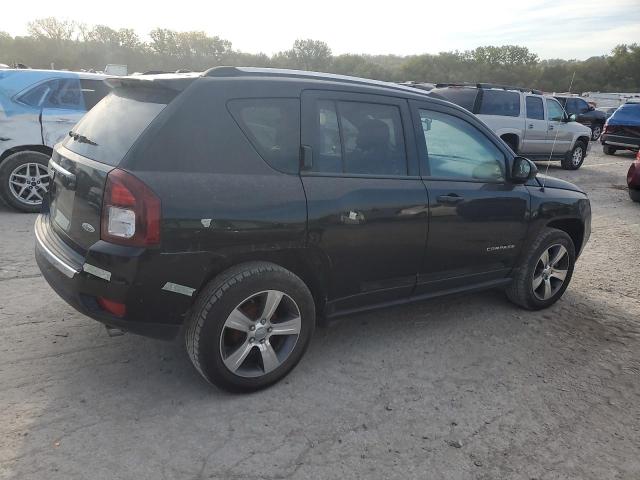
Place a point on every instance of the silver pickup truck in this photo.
(532, 124)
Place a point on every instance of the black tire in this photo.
(568, 162)
(609, 150)
(216, 302)
(10, 164)
(596, 131)
(634, 195)
(521, 290)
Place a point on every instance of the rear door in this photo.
(61, 110)
(477, 218)
(367, 207)
(535, 133)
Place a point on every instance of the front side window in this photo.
(65, 94)
(535, 110)
(458, 150)
(500, 102)
(360, 138)
(556, 113)
(273, 128)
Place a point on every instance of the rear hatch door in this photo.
(95, 146)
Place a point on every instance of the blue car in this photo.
(38, 108)
(622, 130)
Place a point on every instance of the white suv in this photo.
(532, 124)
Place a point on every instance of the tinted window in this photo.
(65, 94)
(368, 140)
(273, 127)
(535, 110)
(93, 91)
(463, 96)
(500, 102)
(108, 131)
(35, 96)
(458, 150)
(556, 113)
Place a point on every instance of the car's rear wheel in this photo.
(609, 150)
(24, 180)
(596, 130)
(574, 158)
(545, 272)
(250, 326)
(634, 194)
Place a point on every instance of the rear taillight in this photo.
(130, 211)
(114, 308)
(605, 129)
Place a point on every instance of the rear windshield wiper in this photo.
(81, 138)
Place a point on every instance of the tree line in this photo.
(76, 46)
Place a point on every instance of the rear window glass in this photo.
(273, 128)
(465, 97)
(108, 131)
(500, 102)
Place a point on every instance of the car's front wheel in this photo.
(24, 180)
(250, 326)
(574, 158)
(596, 130)
(634, 194)
(609, 150)
(545, 272)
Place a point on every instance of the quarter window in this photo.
(273, 128)
(458, 150)
(500, 102)
(535, 110)
(361, 138)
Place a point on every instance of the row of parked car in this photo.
(39, 107)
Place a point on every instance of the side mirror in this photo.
(523, 170)
(591, 108)
(572, 118)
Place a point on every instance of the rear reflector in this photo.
(114, 308)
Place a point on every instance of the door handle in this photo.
(550, 127)
(450, 199)
(530, 126)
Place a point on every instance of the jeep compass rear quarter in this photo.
(241, 204)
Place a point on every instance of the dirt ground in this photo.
(466, 387)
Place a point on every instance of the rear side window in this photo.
(464, 97)
(108, 131)
(273, 128)
(500, 102)
(93, 91)
(361, 138)
(535, 110)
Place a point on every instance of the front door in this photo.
(559, 136)
(478, 219)
(367, 206)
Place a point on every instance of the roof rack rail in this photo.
(490, 85)
(225, 72)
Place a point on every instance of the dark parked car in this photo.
(622, 130)
(633, 179)
(585, 114)
(244, 204)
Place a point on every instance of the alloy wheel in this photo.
(29, 183)
(577, 156)
(260, 333)
(550, 272)
(595, 133)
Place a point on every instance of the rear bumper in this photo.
(68, 274)
(620, 141)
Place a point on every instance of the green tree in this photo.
(52, 28)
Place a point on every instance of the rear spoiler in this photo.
(175, 82)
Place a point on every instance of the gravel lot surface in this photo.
(465, 387)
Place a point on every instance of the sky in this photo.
(551, 28)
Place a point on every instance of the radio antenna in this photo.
(553, 146)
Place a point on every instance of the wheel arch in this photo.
(584, 139)
(26, 148)
(574, 227)
(511, 138)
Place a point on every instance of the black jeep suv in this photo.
(585, 114)
(244, 204)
